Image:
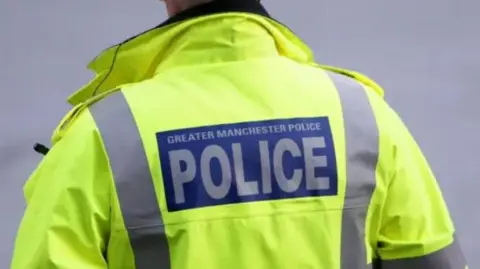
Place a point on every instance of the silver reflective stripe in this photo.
(450, 257)
(133, 181)
(361, 138)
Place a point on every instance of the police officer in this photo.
(214, 141)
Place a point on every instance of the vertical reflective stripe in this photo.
(133, 181)
(361, 138)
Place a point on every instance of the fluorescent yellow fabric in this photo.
(67, 221)
(73, 217)
(409, 217)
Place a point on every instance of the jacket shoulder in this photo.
(70, 118)
(359, 77)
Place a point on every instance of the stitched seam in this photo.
(242, 217)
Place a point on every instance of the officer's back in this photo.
(227, 147)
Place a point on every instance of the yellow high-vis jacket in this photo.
(214, 141)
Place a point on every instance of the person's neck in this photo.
(177, 6)
(218, 6)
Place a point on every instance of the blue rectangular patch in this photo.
(247, 162)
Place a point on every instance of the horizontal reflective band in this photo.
(133, 181)
(361, 139)
(450, 257)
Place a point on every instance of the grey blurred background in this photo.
(424, 53)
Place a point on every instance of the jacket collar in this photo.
(212, 8)
(135, 59)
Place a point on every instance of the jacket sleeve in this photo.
(416, 230)
(66, 221)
